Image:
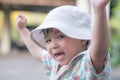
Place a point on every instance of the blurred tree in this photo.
(115, 34)
(112, 6)
(115, 14)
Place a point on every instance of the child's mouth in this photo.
(59, 56)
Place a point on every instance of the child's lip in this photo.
(59, 53)
(59, 56)
(56, 52)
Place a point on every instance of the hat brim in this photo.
(78, 32)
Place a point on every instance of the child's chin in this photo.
(63, 63)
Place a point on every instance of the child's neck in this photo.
(83, 48)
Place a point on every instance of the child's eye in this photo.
(48, 40)
(61, 36)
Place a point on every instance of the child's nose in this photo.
(54, 45)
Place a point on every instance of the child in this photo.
(63, 43)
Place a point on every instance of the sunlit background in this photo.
(35, 11)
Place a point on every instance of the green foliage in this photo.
(115, 36)
(115, 49)
(112, 6)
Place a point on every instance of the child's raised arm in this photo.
(100, 34)
(34, 49)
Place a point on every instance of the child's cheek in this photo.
(49, 50)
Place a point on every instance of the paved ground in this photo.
(22, 66)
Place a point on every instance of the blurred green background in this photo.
(115, 32)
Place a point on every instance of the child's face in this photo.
(61, 47)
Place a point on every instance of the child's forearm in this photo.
(34, 49)
(100, 35)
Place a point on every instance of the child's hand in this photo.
(99, 4)
(21, 21)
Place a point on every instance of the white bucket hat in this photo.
(67, 19)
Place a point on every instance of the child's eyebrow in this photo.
(57, 31)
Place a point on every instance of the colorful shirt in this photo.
(79, 68)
